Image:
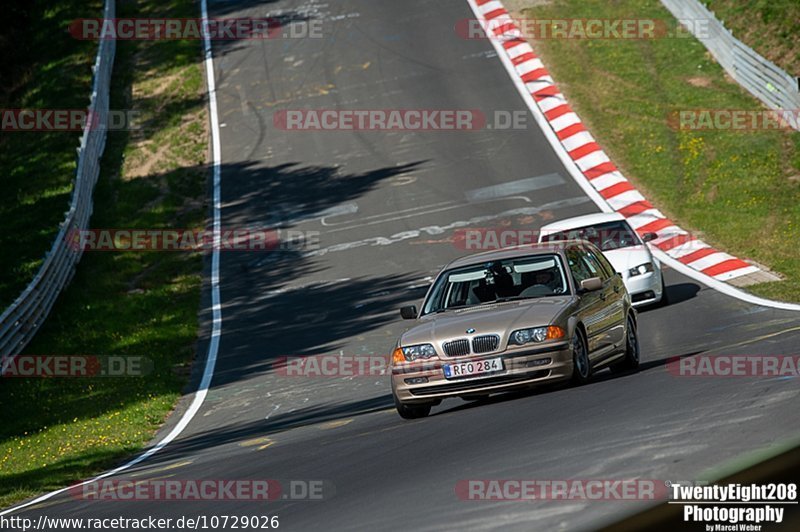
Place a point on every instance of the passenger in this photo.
(503, 282)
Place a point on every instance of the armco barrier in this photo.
(20, 321)
(765, 80)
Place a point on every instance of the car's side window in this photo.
(577, 266)
(594, 264)
(606, 265)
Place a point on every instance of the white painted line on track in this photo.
(441, 229)
(511, 188)
(216, 307)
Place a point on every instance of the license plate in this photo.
(470, 369)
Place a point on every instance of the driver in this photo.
(544, 277)
(548, 278)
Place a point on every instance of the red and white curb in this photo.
(595, 166)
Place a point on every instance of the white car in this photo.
(623, 248)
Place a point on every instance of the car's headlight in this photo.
(413, 352)
(641, 269)
(536, 334)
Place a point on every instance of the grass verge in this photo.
(128, 304)
(739, 190)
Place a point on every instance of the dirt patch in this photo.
(699, 81)
(515, 7)
(143, 164)
(712, 193)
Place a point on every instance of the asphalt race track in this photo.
(387, 206)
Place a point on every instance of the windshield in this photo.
(496, 281)
(607, 236)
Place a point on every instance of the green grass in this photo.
(740, 190)
(42, 67)
(770, 27)
(56, 431)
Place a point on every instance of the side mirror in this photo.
(647, 237)
(409, 312)
(591, 284)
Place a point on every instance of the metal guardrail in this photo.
(20, 321)
(765, 80)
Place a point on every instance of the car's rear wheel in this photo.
(407, 411)
(581, 367)
(631, 360)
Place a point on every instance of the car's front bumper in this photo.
(645, 289)
(523, 367)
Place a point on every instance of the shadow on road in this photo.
(241, 432)
(676, 293)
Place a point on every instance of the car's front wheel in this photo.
(631, 360)
(407, 411)
(581, 368)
